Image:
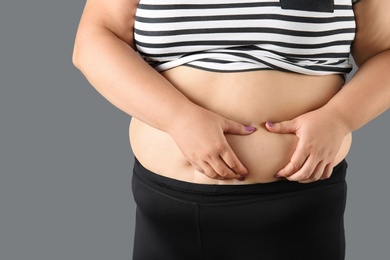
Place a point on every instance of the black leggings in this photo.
(283, 220)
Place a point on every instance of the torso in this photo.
(257, 36)
(251, 98)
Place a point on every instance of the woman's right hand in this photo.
(200, 135)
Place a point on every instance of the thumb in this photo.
(284, 127)
(231, 127)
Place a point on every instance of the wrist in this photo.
(337, 118)
(184, 116)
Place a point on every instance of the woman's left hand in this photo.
(320, 133)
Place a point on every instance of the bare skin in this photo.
(202, 134)
(248, 98)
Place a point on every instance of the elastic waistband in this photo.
(195, 192)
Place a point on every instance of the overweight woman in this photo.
(241, 117)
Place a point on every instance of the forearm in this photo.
(118, 73)
(366, 95)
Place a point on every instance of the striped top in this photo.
(245, 35)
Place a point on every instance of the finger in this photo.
(306, 171)
(317, 173)
(232, 161)
(297, 160)
(222, 169)
(327, 171)
(231, 127)
(206, 169)
(285, 127)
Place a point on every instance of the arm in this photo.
(367, 94)
(363, 98)
(105, 53)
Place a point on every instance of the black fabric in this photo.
(308, 5)
(178, 220)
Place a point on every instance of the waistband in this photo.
(195, 192)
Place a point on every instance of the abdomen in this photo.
(251, 98)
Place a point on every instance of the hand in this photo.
(200, 136)
(320, 135)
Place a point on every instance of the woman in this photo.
(240, 123)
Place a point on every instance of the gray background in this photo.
(65, 159)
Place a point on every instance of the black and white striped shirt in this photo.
(244, 35)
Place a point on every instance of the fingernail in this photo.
(242, 178)
(270, 124)
(278, 176)
(250, 128)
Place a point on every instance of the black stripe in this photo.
(342, 7)
(211, 60)
(287, 55)
(217, 70)
(327, 68)
(204, 6)
(278, 17)
(335, 63)
(330, 55)
(274, 67)
(244, 30)
(238, 42)
(219, 6)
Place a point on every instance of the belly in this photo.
(251, 98)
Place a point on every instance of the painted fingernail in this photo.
(270, 124)
(250, 128)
